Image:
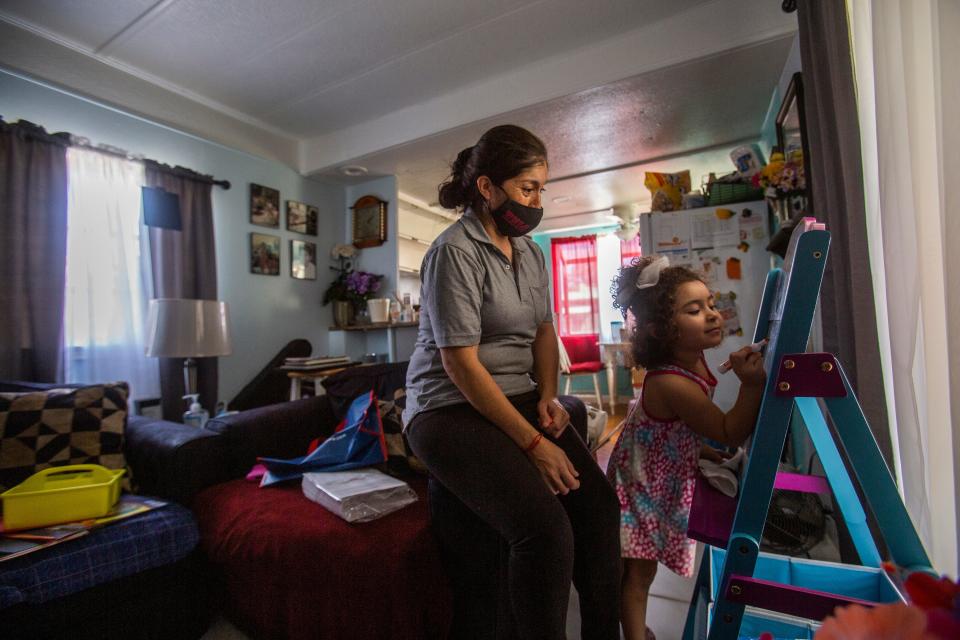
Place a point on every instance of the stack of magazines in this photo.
(316, 363)
(14, 544)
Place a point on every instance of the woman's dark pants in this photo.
(509, 544)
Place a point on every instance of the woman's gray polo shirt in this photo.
(470, 294)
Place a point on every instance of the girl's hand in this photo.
(553, 417)
(554, 466)
(748, 366)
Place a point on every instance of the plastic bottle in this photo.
(196, 416)
(406, 311)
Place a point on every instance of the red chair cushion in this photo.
(294, 570)
(582, 348)
(586, 367)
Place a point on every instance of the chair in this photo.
(580, 356)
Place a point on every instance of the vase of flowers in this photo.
(337, 292)
(361, 287)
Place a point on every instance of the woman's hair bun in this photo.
(454, 191)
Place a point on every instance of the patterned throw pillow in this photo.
(56, 427)
(400, 460)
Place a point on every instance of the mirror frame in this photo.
(794, 96)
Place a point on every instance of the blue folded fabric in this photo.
(116, 550)
(360, 443)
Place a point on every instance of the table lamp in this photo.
(182, 328)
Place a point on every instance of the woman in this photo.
(482, 412)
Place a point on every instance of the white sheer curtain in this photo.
(906, 73)
(107, 284)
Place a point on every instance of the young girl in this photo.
(654, 462)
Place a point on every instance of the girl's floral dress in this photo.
(653, 468)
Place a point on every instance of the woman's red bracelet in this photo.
(533, 443)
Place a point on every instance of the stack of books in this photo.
(316, 363)
(14, 544)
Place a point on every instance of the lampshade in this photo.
(180, 328)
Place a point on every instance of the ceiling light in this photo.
(562, 199)
(353, 170)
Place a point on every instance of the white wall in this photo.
(266, 311)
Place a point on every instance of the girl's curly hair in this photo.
(655, 331)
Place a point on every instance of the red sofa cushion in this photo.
(586, 367)
(294, 570)
(585, 348)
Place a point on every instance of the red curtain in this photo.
(630, 249)
(575, 292)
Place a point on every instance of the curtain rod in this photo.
(110, 150)
(25, 127)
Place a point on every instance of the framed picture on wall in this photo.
(264, 254)
(302, 218)
(369, 222)
(303, 260)
(264, 206)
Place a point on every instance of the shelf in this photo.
(408, 270)
(404, 236)
(376, 326)
(423, 207)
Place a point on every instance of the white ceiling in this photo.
(612, 86)
(600, 141)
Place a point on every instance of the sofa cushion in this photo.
(54, 427)
(120, 549)
(382, 379)
(294, 570)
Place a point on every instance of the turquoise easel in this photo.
(741, 592)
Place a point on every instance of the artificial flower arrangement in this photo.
(782, 176)
(350, 286)
(933, 613)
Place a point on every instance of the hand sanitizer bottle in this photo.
(196, 416)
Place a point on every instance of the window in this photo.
(107, 280)
(630, 249)
(575, 292)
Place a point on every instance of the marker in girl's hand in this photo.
(755, 347)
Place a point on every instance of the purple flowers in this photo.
(362, 284)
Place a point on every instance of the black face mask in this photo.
(514, 219)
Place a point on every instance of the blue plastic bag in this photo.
(359, 443)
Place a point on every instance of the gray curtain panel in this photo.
(847, 302)
(184, 266)
(33, 246)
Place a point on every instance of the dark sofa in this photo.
(280, 566)
(164, 600)
(288, 568)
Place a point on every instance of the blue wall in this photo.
(266, 312)
(381, 260)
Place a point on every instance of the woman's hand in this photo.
(748, 365)
(553, 417)
(554, 466)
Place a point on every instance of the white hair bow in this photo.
(648, 277)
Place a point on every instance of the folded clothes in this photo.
(724, 476)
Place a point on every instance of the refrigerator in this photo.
(727, 244)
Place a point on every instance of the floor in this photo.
(667, 608)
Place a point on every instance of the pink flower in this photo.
(885, 622)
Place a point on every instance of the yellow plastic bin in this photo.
(61, 494)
